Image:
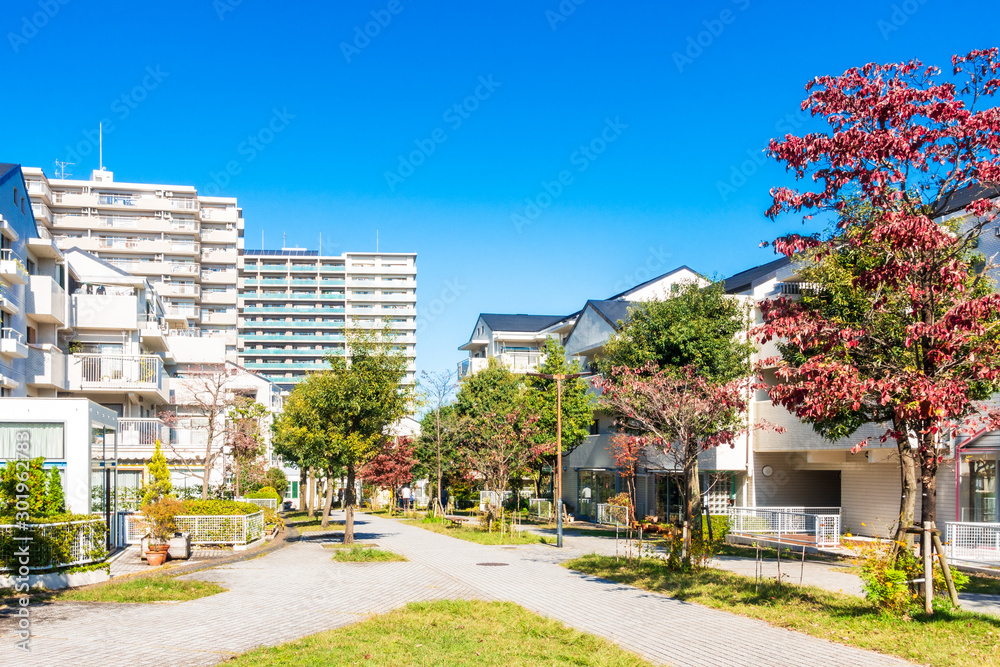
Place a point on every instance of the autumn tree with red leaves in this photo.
(680, 412)
(627, 451)
(391, 468)
(902, 326)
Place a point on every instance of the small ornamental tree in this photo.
(681, 413)
(159, 485)
(920, 350)
(391, 468)
(498, 447)
(15, 481)
(627, 452)
(55, 498)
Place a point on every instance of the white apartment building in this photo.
(294, 305)
(185, 244)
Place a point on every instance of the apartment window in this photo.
(31, 266)
(15, 196)
(44, 438)
(32, 335)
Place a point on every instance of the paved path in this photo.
(300, 590)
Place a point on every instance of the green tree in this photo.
(338, 419)
(159, 485)
(55, 499)
(698, 330)
(438, 427)
(493, 390)
(437, 389)
(17, 475)
(277, 480)
(697, 326)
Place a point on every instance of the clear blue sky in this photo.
(652, 198)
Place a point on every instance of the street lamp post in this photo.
(559, 377)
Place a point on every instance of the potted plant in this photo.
(160, 515)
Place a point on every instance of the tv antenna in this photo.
(61, 169)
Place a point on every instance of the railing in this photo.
(974, 542)
(184, 204)
(184, 268)
(780, 521)
(272, 503)
(614, 515)
(140, 431)
(540, 507)
(11, 334)
(208, 529)
(86, 545)
(117, 200)
(797, 289)
(116, 371)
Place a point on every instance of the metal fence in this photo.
(84, 543)
(491, 498)
(260, 502)
(208, 529)
(540, 507)
(614, 515)
(974, 542)
(824, 528)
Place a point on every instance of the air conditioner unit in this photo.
(168, 194)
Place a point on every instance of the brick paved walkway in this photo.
(299, 590)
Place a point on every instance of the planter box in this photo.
(55, 581)
(180, 546)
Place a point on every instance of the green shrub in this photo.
(46, 549)
(720, 527)
(24, 472)
(159, 483)
(216, 507)
(276, 479)
(266, 492)
(54, 493)
(884, 577)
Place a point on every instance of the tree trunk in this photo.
(692, 494)
(206, 473)
(310, 490)
(908, 490)
(349, 501)
(438, 420)
(303, 481)
(328, 505)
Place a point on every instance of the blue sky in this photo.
(652, 115)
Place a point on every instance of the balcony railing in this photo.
(140, 432)
(117, 371)
(12, 267)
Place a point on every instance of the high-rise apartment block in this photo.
(185, 244)
(295, 304)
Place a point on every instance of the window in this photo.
(32, 335)
(31, 266)
(43, 439)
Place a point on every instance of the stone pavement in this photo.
(129, 561)
(300, 590)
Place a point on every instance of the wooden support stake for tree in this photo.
(802, 570)
(925, 549)
(779, 564)
(946, 569)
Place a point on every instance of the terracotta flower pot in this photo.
(158, 548)
(156, 558)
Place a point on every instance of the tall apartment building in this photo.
(185, 244)
(294, 305)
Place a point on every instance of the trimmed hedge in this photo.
(216, 507)
(266, 492)
(48, 550)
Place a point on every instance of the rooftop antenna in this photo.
(100, 134)
(61, 169)
(284, 239)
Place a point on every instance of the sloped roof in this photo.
(6, 167)
(742, 280)
(962, 198)
(503, 322)
(632, 290)
(612, 310)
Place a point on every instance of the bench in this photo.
(457, 519)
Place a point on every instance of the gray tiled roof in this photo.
(502, 322)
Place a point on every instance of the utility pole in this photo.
(559, 377)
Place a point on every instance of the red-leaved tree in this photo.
(627, 452)
(391, 468)
(918, 347)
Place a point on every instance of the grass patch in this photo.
(364, 554)
(450, 632)
(947, 639)
(478, 535)
(157, 588)
(302, 523)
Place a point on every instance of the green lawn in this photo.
(450, 632)
(359, 553)
(301, 522)
(947, 639)
(476, 534)
(158, 588)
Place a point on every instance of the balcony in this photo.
(103, 311)
(12, 267)
(218, 235)
(227, 297)
(208, 317)
(219, 214)
(226, 276)
(118, 373)
(42, 212)
(12, 344)
(46, 300)
(153, 333)
(294, 310)
(184, 269)
(40, 189)
(46, 367)
(178, 289)
(471, 366)
(137, 437)
(219, 256)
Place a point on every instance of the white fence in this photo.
(208, 529)
(260, 502)
(540, 507)
(974, 542)
(821, 523)
(491, 498)
(614, 515)
(87, 545)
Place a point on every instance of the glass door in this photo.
(980, 488)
